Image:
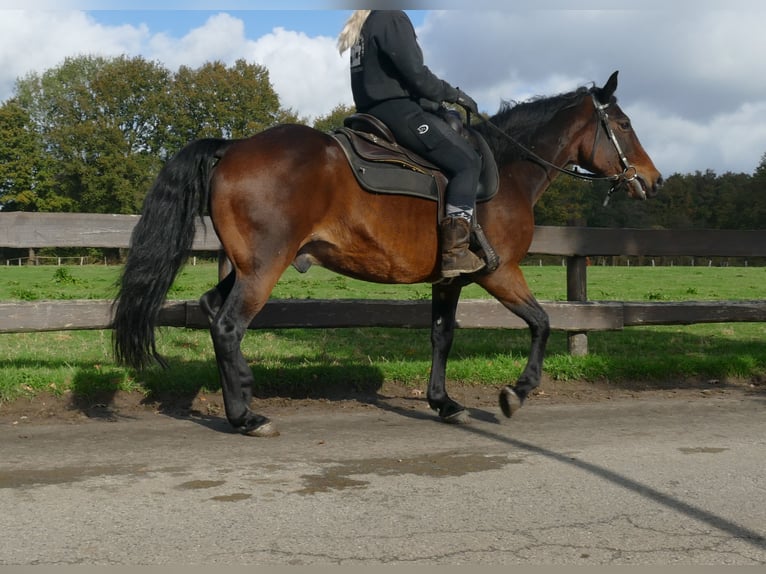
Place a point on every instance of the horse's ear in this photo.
(605, 94)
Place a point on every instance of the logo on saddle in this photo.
(383, 166)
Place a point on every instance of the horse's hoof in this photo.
(451, 412)
(265, 430)
(457, 418)
(509, 401)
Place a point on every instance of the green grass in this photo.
(304, 362)
(548, 283)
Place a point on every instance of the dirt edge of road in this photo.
(49, 408)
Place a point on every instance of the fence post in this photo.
(577, 290)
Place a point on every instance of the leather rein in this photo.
(629, 173)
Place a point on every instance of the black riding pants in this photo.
(431, 137)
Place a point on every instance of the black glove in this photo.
(466, 102)
(428, 105)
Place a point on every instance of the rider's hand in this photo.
(466, 102)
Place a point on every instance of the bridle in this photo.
(629, 175)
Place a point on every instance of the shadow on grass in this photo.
(352, 364)
(191, 389)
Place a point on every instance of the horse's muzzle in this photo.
(639, 188)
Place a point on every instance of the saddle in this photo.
(381, 165)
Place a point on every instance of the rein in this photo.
(618, 179)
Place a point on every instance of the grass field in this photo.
(548, 283)
(297, 362)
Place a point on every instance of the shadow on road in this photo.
(754, 538)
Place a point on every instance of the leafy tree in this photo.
(563, 202)
(734, 207)
(100, 120)
(754, 205)
(22, 163)
(219, 101)
(334, 119)
(103, 127)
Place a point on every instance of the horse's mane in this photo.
(523, 120)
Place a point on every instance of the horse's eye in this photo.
(625, 125)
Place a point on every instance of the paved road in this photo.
(628, 482)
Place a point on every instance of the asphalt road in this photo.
(644, 482)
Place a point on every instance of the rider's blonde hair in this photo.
(350, 33)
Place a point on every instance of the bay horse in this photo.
(287, 194)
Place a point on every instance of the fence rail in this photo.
(320, 313)
(577, 315)
(25, 230)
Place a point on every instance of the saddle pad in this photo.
(385, 176)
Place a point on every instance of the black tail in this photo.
(159, 246)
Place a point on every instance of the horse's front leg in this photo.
(511, 398)
(444, 299)
(509, 287)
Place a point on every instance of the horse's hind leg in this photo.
(444, 299)
(239, 306)
(211, 302)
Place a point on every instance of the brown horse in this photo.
(287, 194)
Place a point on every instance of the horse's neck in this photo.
(530, 177)
(556, 147)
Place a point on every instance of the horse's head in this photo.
(615, 149)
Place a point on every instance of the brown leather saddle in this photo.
(380, 165)
(383, 166)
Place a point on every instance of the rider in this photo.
(390, 81)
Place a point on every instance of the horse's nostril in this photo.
(655, 188)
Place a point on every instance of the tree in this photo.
(334, 119)
(101, 121)
(218, 101)
(734, 201)
(754, 210)
(106, 126)
(563, 202)
(22, 165)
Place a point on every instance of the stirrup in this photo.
(484, 249)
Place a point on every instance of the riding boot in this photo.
(456, 257)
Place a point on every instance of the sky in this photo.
(691, 71)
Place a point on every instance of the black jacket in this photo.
(387, 63)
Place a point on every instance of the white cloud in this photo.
(671, 141)
(36, 41)
(308, 73)
(690, 79)
(222, 37)
(740, 136)
(733, 141)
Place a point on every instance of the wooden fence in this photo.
(577, 315)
